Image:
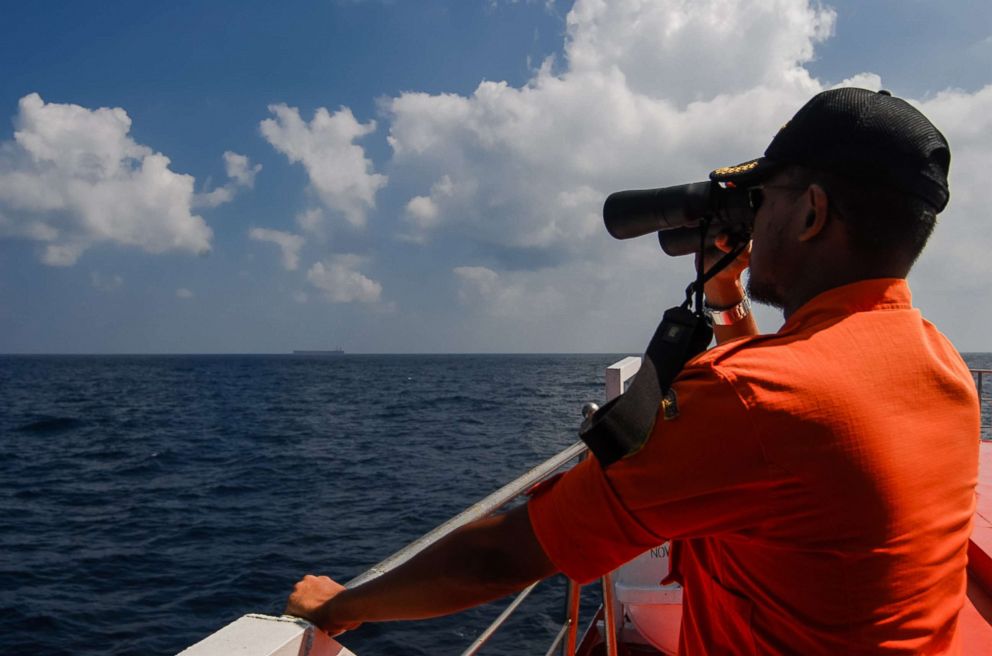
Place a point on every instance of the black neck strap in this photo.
(623, 425)
(694, 292)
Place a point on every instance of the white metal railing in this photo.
(979, 374)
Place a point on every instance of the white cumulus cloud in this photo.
(649, 94)
(478, 282)
(514, 295)
(239, 169)
(241, 174)
(288, 243)
(530, 166)
(341, 282)
(423, 211)
(679, 52)
(953, 272)
(340, 173)
(73, 178)
(547, 309)
(312, 221)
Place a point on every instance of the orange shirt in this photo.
(818, 483)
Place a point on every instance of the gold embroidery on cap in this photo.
(740, 168)
(670, 405)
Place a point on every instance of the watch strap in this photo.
(729, 316)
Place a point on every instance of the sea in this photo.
(147, 501)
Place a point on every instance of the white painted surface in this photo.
(617, 375)
(638, 582)
(264, 635)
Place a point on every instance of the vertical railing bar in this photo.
(572, 617)
(558, 639)
(609, 616)
(979, 375)
(498, 622)
(574, 595)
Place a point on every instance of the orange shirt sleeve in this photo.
(701, 473)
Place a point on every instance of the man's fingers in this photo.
(309, 600)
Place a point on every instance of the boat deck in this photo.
(976, 618)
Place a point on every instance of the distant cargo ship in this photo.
(336, 351)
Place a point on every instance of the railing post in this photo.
(609, 616)
(979, 375)
(617, 375)
(572, 617)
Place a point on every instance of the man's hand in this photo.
(477, 563)
(725, 289)
(310, 601)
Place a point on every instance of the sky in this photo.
(241, 176)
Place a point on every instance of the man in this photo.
(818, 483)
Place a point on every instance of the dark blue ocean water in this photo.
(146, 501)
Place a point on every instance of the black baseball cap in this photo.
(863, 135)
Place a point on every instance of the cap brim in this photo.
(747, 173)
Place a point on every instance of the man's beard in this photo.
(763, 293)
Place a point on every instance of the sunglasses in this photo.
(756, 195)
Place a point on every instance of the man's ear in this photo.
(819, 212)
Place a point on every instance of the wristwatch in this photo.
(729, 316)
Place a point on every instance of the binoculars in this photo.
(676, 214)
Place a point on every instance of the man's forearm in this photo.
(480, 562)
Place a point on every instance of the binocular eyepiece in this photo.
(676, 213)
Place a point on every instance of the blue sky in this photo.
(424, 176)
